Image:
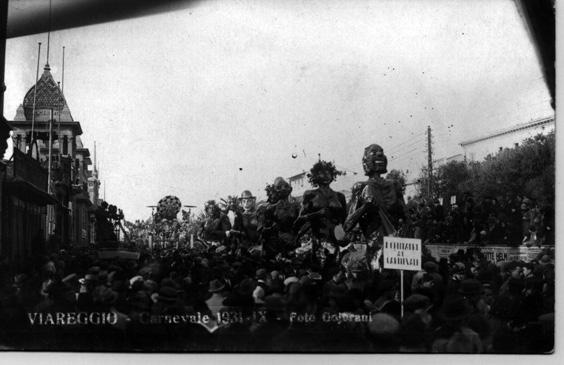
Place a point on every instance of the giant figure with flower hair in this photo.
(323, 210)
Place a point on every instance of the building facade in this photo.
(477, 149)
(24, 208)
(44, 129)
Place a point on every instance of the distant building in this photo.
(45, 109)
(5, 130)
(476, 149)
(23, 204)
(24, 208)
(299, 184)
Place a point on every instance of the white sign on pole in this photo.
(402, 253)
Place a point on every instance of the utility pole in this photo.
(429, 164)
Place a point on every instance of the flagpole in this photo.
(49, 32)
(63, 74)
(59, 140)
(49, 186)
(35, 93)
(61, 104)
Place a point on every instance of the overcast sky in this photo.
(227, 95)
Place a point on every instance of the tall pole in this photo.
(49, 32)
(35, 92)
(50, 152)
(95, 172)
(3, 24)
(429, 163)
(60, 141)
(63, 74)
(49, 184)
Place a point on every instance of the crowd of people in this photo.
(508, 221)
(463, 304)
(291, 277)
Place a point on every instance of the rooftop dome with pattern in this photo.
(49, 95)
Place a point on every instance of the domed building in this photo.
(44, 102)
(75, 187)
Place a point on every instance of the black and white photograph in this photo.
(278, 177)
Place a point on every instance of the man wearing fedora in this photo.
(455, 335)
(246, 222)
(215, 302)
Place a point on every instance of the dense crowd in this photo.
(287, 276)
(500, 220)
(460, 304)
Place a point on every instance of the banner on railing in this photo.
(495, 254)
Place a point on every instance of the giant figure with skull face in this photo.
(377, 204)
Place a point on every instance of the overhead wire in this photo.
(410, 139)
(405, 154)
(403, 149)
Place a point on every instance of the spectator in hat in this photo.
(383, 332)
(529, 273)
(510, 270)
(508, 306)
(478, 320)
(274, 282)
(24, 291)
(387, 300)
(139, 303)
(63, 294)
(110, 335)
(274, 322)
(428, 266)
(47, 302)
(335, 288)
(545, 260)
(215, 302)
(457, 275)
(260, 291)
(429, 282)
(548, 288)
(414, 334)
(241, 299)
(532, 297)
(419, 305)
(455, 336)
(138, 333)
(167, 302)
(104, 297)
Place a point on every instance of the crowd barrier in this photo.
(495, 254)
(108, 254)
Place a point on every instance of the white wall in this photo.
(479, 150)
